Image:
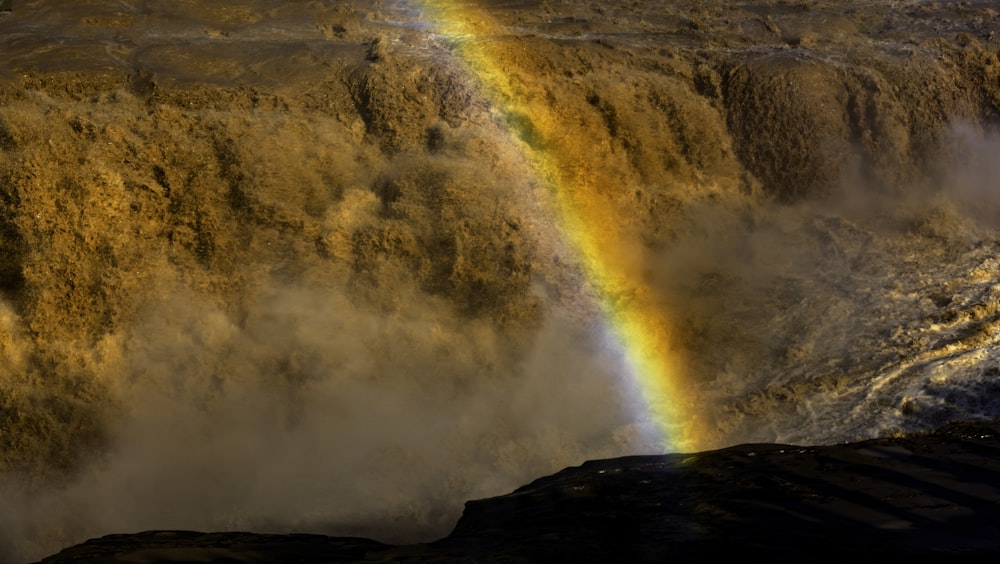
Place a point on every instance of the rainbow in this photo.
(586, 215)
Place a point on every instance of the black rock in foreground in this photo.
(922, 495)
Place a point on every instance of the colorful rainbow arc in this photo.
(585, 215)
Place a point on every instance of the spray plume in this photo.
(581, 199)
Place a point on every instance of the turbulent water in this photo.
(286, 265)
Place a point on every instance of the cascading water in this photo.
(339, 267)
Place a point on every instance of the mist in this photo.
(315, 411)
(315, 415)
(260, 344)
(285, 267)
(791, 314)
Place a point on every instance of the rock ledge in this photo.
(920, 495)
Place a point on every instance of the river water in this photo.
(292, 266)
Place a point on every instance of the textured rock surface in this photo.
(933, 495)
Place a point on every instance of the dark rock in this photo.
(935, 494)
(189, 546)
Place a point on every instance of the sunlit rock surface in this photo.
(935, 495)
(297, 266)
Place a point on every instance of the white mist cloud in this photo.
(971, 174)
(314, 414)
(788, 313)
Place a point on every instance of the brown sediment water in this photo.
(288, 265)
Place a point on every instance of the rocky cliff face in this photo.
(329, 216)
